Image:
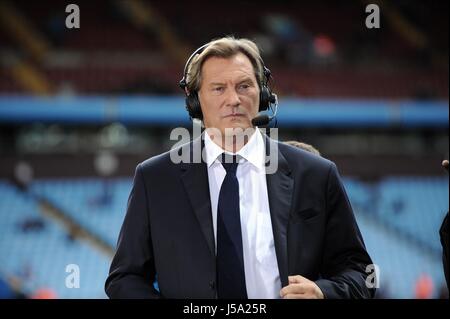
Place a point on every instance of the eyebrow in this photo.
(216, 84)
(244, 79)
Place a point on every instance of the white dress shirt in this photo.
(262, 277)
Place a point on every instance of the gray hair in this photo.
(225, 48)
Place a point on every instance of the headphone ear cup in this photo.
(193, 106)
(264, 98)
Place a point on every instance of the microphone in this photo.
(261, 120)
(264, 119)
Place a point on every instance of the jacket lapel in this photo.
(195, 181)
(280, 187)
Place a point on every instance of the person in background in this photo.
(443, 232)
(304, 146)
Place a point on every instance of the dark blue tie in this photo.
(230, 259)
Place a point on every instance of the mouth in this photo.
(234, 115)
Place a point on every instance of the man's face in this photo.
(229, 93)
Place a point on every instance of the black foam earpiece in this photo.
(193, 106)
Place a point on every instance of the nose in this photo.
(233, 98)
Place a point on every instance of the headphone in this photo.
(266, 97)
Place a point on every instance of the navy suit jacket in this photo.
(167, 231)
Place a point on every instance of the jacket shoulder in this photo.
(167, 160)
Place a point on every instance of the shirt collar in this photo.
(253, 151)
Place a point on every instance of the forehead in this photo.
(218, 68)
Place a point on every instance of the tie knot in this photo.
(229, 162)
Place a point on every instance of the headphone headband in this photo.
(183, 83)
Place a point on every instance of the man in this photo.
(222, 228)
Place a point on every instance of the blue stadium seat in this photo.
(86, 202)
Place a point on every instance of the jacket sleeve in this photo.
(344, 266)
(132, 271)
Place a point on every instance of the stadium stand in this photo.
(98, 206)
(314, 49)
(35, 251)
